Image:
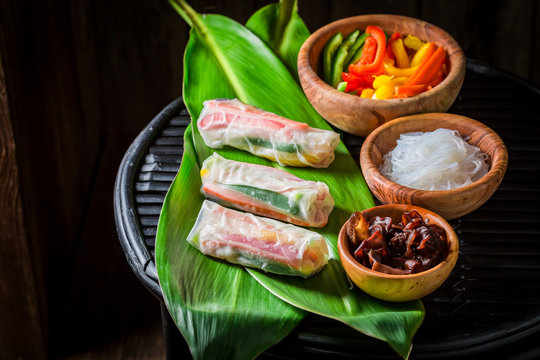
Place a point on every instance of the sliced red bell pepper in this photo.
(394, 37)
(389, 51)
(357, 82)
(368, 53)
(378, 34)
(353, 87)
(365, 78)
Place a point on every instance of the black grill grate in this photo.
(157, 173)
(491, 299)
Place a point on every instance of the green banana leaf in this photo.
(256, 76)
(221, 311)
(280, 27)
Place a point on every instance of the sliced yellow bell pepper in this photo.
(417, 58)
(402, 59)
(384, 86)
(399, 80)
(412, 42)
(385, 79)
(367, 93)
(380, 80)
(385, 91)
(390, 69)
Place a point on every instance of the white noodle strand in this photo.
(437, 160)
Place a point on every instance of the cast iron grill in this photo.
(491, 299)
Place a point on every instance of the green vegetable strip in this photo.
(328, 56)
(352, 51)
(357, 55)
(267, 196)
(341, 55)
(288, 148)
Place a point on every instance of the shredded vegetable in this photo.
(370, 56)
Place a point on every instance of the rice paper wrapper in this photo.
(231, 122)
(266, 191)
(253, 241)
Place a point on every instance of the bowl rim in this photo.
(450, 260)
(496, 171)
(456, 58)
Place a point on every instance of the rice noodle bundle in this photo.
(437, 160)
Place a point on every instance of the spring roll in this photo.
(266, 191)
(249, 240)
(231, 122)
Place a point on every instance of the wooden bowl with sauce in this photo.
(360, 116)
(450, 204)
(391, 287)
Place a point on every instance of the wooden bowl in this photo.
(399, 287)
(360, 116)
(450, 204)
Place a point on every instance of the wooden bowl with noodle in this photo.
(450, 204)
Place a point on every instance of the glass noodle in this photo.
(437, 160)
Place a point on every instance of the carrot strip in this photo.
(435, 65)
(429, 69)
(437, 79)
(405, 91)
(428, 54)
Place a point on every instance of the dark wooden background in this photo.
(78, 81)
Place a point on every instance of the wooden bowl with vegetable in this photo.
(388, 282)
(423, 68)
(420, 160)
